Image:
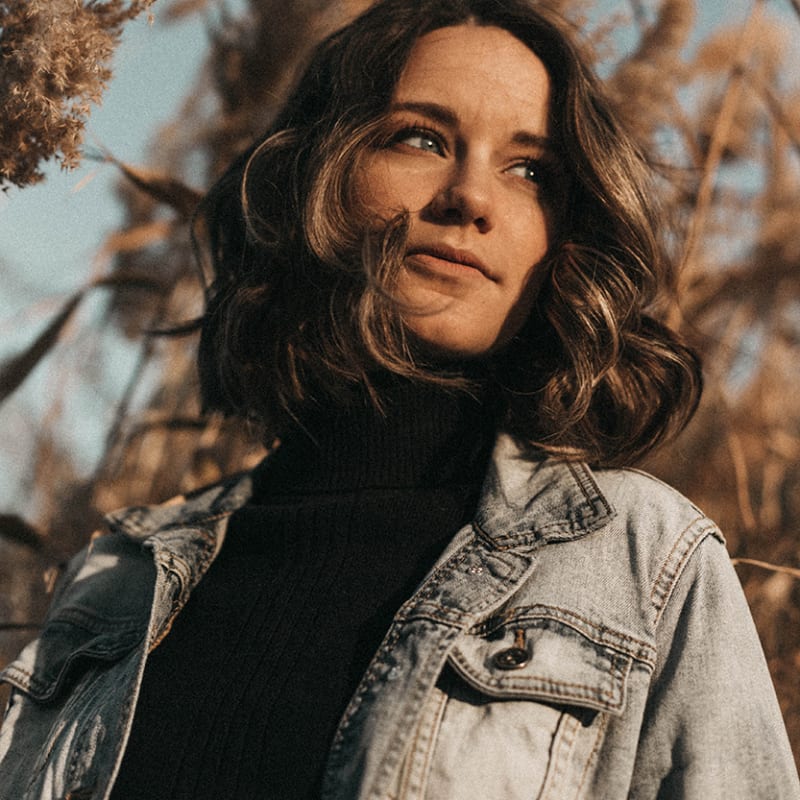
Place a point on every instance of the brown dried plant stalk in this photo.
(54, 63)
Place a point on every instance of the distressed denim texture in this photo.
(638, 671)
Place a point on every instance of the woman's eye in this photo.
(421, 140)
(529, 170)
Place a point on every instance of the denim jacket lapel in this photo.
(521, 509)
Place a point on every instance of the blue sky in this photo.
(50, 235)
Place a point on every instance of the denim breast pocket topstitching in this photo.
(71, 685)
(70, 688)
(519, 711)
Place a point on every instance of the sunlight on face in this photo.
(469, 158)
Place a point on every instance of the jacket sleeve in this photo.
(71, 687)
(25, 725)
(712, 728)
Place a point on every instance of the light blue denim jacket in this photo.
(585, 637)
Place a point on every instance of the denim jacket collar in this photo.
(520, 507)
(523, 505)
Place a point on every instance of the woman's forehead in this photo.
(482, 70)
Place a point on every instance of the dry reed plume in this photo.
(55, 57)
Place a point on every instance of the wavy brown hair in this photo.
(301, 309)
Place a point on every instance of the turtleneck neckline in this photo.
(426, 436)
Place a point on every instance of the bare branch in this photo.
(16, 529)
(719, 139)
(19, 626)
(795, 573)
(14, 371)
(742, 481)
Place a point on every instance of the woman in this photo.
(435, 284)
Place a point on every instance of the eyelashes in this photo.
(421, 138)
(532, 169)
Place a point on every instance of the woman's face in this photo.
(469, 158)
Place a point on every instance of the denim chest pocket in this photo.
(72, 684)
(65, 713)
(101, 613)
(520, 710)
(69, 646)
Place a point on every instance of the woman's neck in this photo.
(423, 436)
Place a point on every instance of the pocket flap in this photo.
(101, 613)
(48, 663)
(532, 654)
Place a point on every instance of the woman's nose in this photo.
(465, 199)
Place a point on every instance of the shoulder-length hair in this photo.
(301, 308)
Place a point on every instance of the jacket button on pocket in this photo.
(511, 658)
(514, 657)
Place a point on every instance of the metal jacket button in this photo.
(515, 657)
(512, 658)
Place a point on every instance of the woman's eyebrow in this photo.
(434, 111)
(528, 139)
(446, 116)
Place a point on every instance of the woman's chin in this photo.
(443, 349)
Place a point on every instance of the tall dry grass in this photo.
(724, 117)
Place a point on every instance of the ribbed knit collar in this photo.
(426, 437)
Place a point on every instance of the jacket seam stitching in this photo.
(595, 636)
(672, 567)
(524, 682)
(601, 727)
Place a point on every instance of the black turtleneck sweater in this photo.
(243, 697)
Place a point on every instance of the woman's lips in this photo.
(450, 260)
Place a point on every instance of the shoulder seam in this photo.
(685, 545)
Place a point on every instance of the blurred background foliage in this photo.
(719, 107)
